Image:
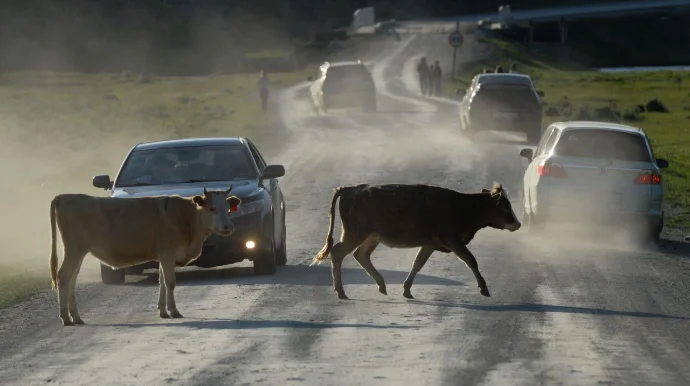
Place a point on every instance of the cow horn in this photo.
(228, 191)
(205, 192)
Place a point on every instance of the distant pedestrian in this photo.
(486, 71)
(423, 73)
(498, 69)
(436, 74)
(262, 84)
(513, 69)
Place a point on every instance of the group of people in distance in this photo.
(499, 69)
(429, 77)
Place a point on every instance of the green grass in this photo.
(17, 287)
(589, 90)
(58, 130)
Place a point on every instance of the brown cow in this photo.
(409, 216)
(122, 232)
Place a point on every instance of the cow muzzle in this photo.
(513, 226)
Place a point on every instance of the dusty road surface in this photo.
(561, 313)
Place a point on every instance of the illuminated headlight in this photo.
(248, 208)
(250, 244)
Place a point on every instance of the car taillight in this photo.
(648, 177)
(551, 170)
(234, 208)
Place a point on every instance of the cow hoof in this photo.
(176, 314)
(408, 295)
(67, 323)
(164, 315)
(383, 290)
(78, 321)
(342, 296)
(485, 292)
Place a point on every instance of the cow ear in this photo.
(198, 200)
(233, 201)
(486, 191)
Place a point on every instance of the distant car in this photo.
(594, 171)
(184, 167)
(501, 102)
(343, 84)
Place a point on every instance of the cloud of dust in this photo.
(55, 141)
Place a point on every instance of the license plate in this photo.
(504, 115)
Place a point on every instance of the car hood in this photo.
(240, 188)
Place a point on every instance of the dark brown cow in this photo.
(410, 216)
(122, 232)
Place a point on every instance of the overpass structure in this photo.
(576, 12)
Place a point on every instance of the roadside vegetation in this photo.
(657, 101)
(60, 129)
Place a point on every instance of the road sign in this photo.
(456, 39)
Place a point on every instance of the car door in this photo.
(531, 178)
(274, 192)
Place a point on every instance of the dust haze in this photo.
(58, 126)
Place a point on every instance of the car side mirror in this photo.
(527, 153)
(102, 182)
(273, 171)
(661, 163)
(540, 93)
(460, 92)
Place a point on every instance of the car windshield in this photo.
(603, 144)
(180, 165)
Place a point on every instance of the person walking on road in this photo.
(262, 84)
(423, 73)
(436, 79)
(499, 69)
(513, 69)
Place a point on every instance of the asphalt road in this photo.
(562, 312)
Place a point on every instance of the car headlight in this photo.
(248, 208)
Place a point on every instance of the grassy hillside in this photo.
(572, 92)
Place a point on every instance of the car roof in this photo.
(344, 63)
(569, 125)
(504, 78)
(197, 141)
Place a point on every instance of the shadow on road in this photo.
(675, 247)
(290, 275)
(545, 308)
(232, 324)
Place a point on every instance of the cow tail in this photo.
(326, 250)
(53, 250)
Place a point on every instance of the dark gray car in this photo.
(184, 167)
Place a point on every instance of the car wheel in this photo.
(111, 276)
(281, 256)
(266, 263)
(134, 270)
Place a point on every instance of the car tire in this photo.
(281, 256)
(266, 263)
(134, 270)
(111, 276)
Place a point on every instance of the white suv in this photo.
(594, 171)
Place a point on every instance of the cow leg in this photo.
(72, 304)
(161, 293)
(466, 256)
(422, 256)
(363, 256)
(68, 271)
(344, 247)
(170, 280)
